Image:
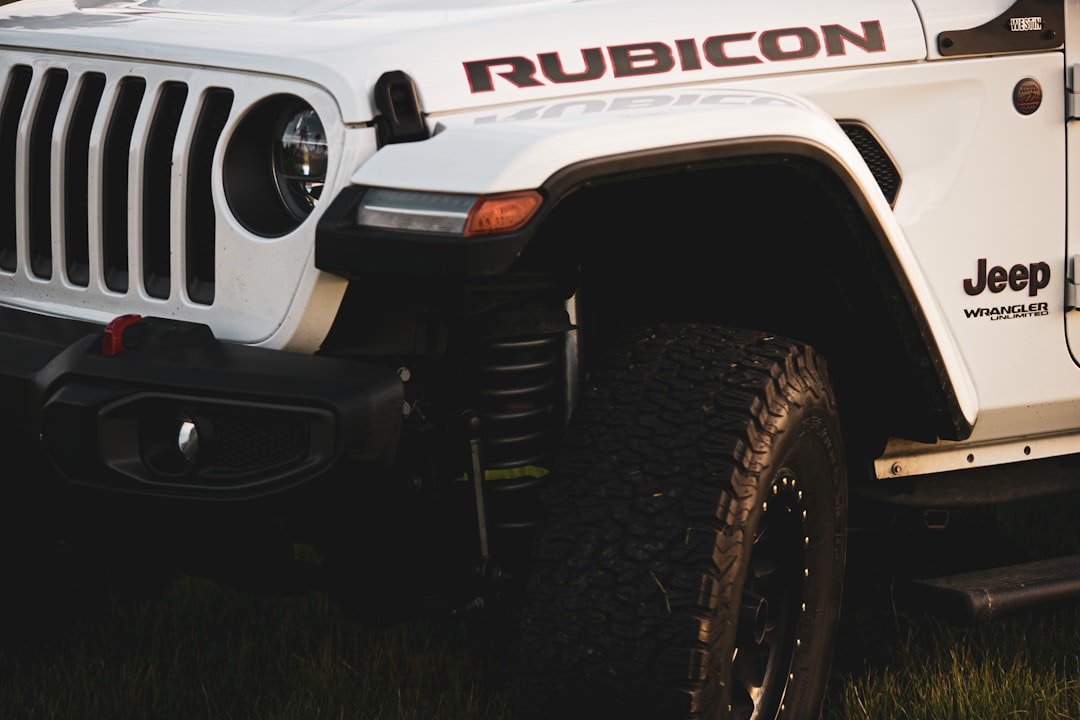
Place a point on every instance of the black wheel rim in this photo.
(772, 603)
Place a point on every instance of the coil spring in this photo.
(520, 402)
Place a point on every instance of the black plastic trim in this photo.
(401, 118)
(91, 410)
(999, 36)
(881, 164)
(982, 596)
(342, 247)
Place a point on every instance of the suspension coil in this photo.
(520, 402)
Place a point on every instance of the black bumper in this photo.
(265, 420)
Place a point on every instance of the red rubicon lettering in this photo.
(519, 71)
(688, 54)
(553, 69)
(716, 52)
(685, 54)
(871, 40)
(778, 45)
(641, 59)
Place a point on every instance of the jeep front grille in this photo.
(132, 154)
(112, 200)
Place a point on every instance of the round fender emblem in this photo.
(1027, 96)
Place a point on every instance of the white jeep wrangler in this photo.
(601, 308)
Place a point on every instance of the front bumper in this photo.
(265, 420)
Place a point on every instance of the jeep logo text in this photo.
(1034, 277)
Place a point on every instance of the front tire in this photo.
(691, 565)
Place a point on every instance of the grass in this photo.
(894, 661)
(202, 651)
(1022, 668)
(198, 650)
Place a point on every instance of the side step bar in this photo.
(983, 595)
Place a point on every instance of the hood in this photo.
(466, 54)
(294, 10)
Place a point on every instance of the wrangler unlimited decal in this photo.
(649, 58)
(1009, 312)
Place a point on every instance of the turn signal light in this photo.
(502, 213)
(450, 213)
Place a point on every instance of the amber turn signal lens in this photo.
(502, 213)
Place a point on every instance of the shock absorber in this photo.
(517, 385)
(520, 403)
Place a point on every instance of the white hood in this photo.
(314, 9)
(345, 45)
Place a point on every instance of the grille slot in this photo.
(114, 173)
(213, 115)
(40, 162)
(76, 179)
(18, 84)
(157, 188)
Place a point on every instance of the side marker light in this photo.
(502, 213)
(447, 213)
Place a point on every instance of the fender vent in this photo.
(877, 158)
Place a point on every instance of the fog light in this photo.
(173, 441)
(187, 440)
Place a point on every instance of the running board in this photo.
(983, 595)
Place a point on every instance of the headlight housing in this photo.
(275, 165)
(300, 161)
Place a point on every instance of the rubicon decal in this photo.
(664, 56)
(1032, 277)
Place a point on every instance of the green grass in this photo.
(1021, 668)
(201, 651)
(896, 662)
(197, 650)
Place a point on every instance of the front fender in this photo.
(558, 146)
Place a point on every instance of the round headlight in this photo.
(300, 161)
(275, 165)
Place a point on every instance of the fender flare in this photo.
(558, 146)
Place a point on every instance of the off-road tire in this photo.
(691, 562)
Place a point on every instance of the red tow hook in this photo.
(112, 341)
